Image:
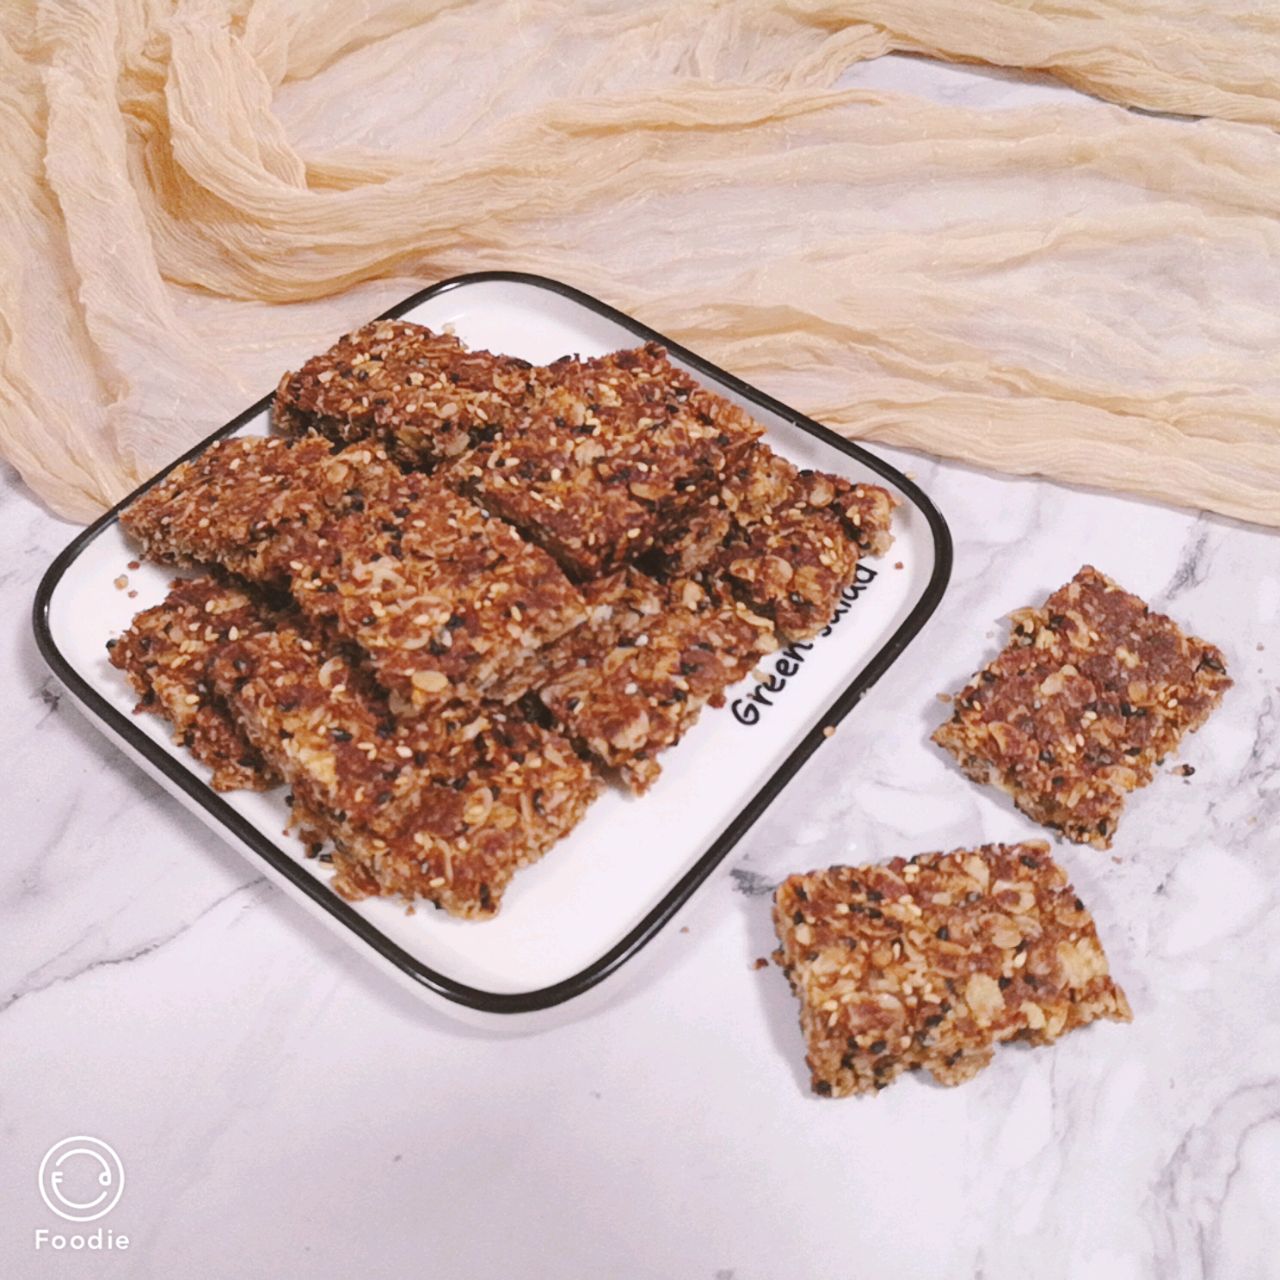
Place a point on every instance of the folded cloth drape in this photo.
(197, 194)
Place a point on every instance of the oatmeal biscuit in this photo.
(616, 452)
(929, 963)
(166, 653)
(797, 537)
(632, 684)
(447, 601)
(443, 808)
(423, 396)
(237, 503)
(1091, 693)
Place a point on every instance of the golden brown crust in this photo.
(421, 395)
(1091, 693)
(928, 963)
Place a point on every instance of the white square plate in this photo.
(580, 914)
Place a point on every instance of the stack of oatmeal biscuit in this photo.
(459, 591)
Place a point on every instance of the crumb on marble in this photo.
(760, 962)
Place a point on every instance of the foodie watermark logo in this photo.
(81, 1179)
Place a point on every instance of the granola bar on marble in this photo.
(1091, 693)
(927, 964)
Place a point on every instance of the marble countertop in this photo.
(283, 1109)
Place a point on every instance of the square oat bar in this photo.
(1089, 696)
(632, 680)
(423, 396)
(446, 600)
(928, 963)
(443, 808)
(616, 451)
(166, 653)
(797, 537)
(238, 501)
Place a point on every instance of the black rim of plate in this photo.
(460, 993)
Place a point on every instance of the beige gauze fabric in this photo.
(197, 194)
